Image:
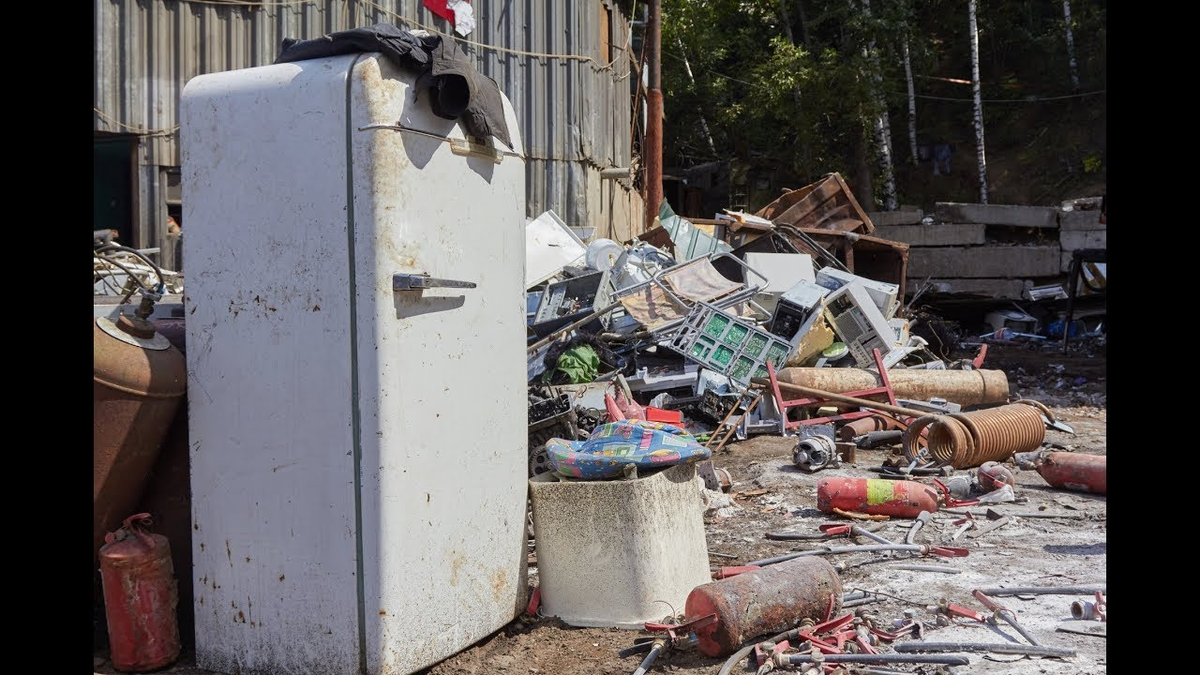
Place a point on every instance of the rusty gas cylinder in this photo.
(901, 498)
(764, 601)
(139, 597)
(1073, 471)
(138, 380)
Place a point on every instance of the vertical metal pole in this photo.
(652, 150)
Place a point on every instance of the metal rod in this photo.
(858, 602)
(999, 648)
(1005, 614)
(860, 402)
(652, 150)
(950, 660)
(806, 536)
(927, 568)
(568, 328)
(722, 555)
(864, 532)
(870, 548)
(1046, 590)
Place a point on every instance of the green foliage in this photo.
(786, 86)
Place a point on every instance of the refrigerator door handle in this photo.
(419, 282)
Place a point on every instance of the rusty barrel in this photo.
(900, 498)
(138, 381)
(1073, 471)
(764, 601)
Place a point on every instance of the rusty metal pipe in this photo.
(652, 151)
(964, 387)
(832, 396)
(999, 648)
(866, 425)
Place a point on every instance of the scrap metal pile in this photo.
(648, 358)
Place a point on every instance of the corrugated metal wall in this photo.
(574, 113)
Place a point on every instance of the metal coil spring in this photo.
(965, 440)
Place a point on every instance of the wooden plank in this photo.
(834, 208)
(841, 224)
(868, 226)
(784, 202)
(821, 192)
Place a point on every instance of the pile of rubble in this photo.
(646, 359)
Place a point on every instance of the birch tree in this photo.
(912, 103)
(1070, 45)
(880, 122)
(979, 147)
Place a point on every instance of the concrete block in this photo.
(609, 550)
(996, 214)
(941, 234)
(996, 262)
(1072, 240)
(1069, 221)
(901, 217)
(992, 288)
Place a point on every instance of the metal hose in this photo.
(965, 440)
(742, 653)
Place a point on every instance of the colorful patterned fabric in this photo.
(647, 445)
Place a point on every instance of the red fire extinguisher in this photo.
(140, 595)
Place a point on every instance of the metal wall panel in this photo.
(574, 114)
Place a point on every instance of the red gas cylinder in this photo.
(763, 601)
(139, 597)
(901, 498)
(1075, 471)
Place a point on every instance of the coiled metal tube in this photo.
(965, 440)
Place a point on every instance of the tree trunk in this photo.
(880, 122)
(803, 23)
(979, 147)
(864, 188)
(1070, 45)
(787, 21)
(912, 105)
(687, 66)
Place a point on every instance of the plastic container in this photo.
(729, 345)
(568, 301)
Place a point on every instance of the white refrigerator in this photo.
(356, 371)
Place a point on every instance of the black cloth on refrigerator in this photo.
(460, 92)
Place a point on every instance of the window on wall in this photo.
(605, 31)
(112, 185)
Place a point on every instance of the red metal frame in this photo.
(787, 425)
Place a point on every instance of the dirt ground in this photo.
(771, 495)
